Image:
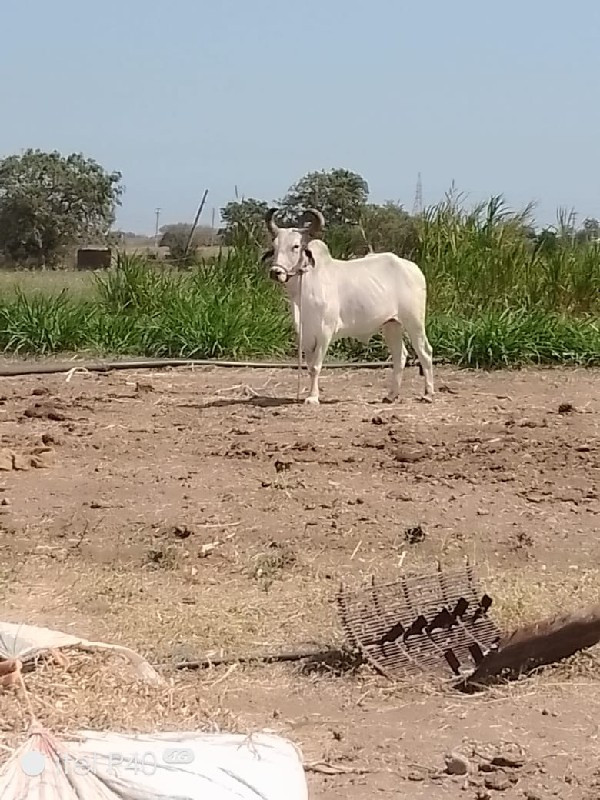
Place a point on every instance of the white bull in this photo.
(353, 298)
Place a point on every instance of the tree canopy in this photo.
(244, 221)
(49, 201)
(339, 194)
(176, 236)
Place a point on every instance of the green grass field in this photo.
(79, 285)
(495, 299)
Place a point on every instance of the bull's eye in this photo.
(296, 247)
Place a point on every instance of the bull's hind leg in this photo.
(416, 332)
(393, 334)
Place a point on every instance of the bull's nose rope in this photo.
(300, 335)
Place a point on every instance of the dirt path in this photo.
(192, 511)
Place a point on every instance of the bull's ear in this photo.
(309, 255)
(267, 255)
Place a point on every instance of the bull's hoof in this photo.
(426, 398)
(391, 398)
(311, 401)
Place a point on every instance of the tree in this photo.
(48, 201)
(590, 230)
(176, 237)
(386, 227)
(339, 194)
(546, 241)
(244, 221)
(390, 227)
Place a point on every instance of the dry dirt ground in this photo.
(192, 512)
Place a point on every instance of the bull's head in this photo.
(291, 255)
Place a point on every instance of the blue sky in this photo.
(188, 95)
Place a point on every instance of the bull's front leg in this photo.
(314, 362)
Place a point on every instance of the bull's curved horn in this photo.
(314, 221)
(270, 220)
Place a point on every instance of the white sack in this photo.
(173, 766)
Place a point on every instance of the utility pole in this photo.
(157, 212)
(193, 228)
(418, 204)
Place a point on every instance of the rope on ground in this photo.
(23, 368)
(294, 655)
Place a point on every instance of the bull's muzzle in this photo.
(278, 274)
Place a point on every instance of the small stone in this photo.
(457, 764)
(415, 776)
(498, 782)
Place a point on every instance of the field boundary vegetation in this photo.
(500, 293)
(225, 307)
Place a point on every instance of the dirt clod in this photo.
(6, 460)
(181, 531)
(21, 463)
(445, 389)
(508, 762)
(415, 535)
(45, 411)
(41, 461)
(457, 764)
(143, 387)
(566, 408)
(405, 456)
(51, 438)
(498, 782)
